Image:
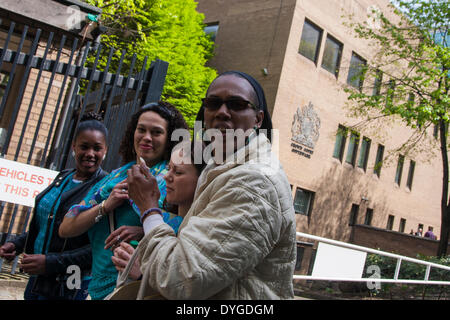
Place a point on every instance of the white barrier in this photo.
(341, 261)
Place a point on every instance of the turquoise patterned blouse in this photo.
(104, 274)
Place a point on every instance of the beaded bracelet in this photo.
(148, 211)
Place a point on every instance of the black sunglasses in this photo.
(234, 104)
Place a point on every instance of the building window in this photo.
(390, 92)
(412, 166)
(353, 215)
(364, 153)
(211, 30)
(398, 173)
(300, 254)
(356, 72)
(401, 228)
(379, 160)
(339, 145)
(352, 148)
(377, 83)
(390, 222)
(369, 216)
(311, 261)
(310, 41)
(303, 201)
(332, 53)
(419, 230)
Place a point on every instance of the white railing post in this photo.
(397, 268)
(427, 273)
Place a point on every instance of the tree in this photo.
(409, 73)
(168, 30)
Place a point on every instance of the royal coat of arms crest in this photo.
(306, 126)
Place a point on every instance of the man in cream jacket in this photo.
(238, 239)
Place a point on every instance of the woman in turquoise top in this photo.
(181, 182)
(148, 137)
(46, 255)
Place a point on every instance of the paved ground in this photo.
(12, 286)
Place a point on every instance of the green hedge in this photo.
(409, 270)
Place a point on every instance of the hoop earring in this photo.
(73, 154)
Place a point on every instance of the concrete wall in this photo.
(392, 241)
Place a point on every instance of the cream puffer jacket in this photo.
(238, 239)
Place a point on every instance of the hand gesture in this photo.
(124, 233)
(8, 251)
(142, 187)
(33, 263)
(117, 196)
(122, 256)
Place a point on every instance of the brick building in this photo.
(304, 56)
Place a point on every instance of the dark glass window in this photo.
(356, 72)
(353, 215)
(412, 166)
(339, 145)
(211, 30)
(379, 160)
(369, 216)
(377, 83)
(303, 201)
(390, 92)
(352, 148)
(390, 222)
(300, 253)
(401, 228)
(364, 153)
(310, 41)
(399, 171)
(332, 55)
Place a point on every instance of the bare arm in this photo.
(75, 226)
(79, 224)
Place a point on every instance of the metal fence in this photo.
(47, 82)
(331, 264)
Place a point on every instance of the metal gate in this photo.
(47, 81)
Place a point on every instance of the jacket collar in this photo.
(258, 149)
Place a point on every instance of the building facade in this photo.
(304, 56)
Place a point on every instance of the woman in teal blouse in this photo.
(46, 255)
(148, 137)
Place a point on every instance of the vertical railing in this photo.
(117, 97)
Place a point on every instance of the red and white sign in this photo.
(20, 183)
